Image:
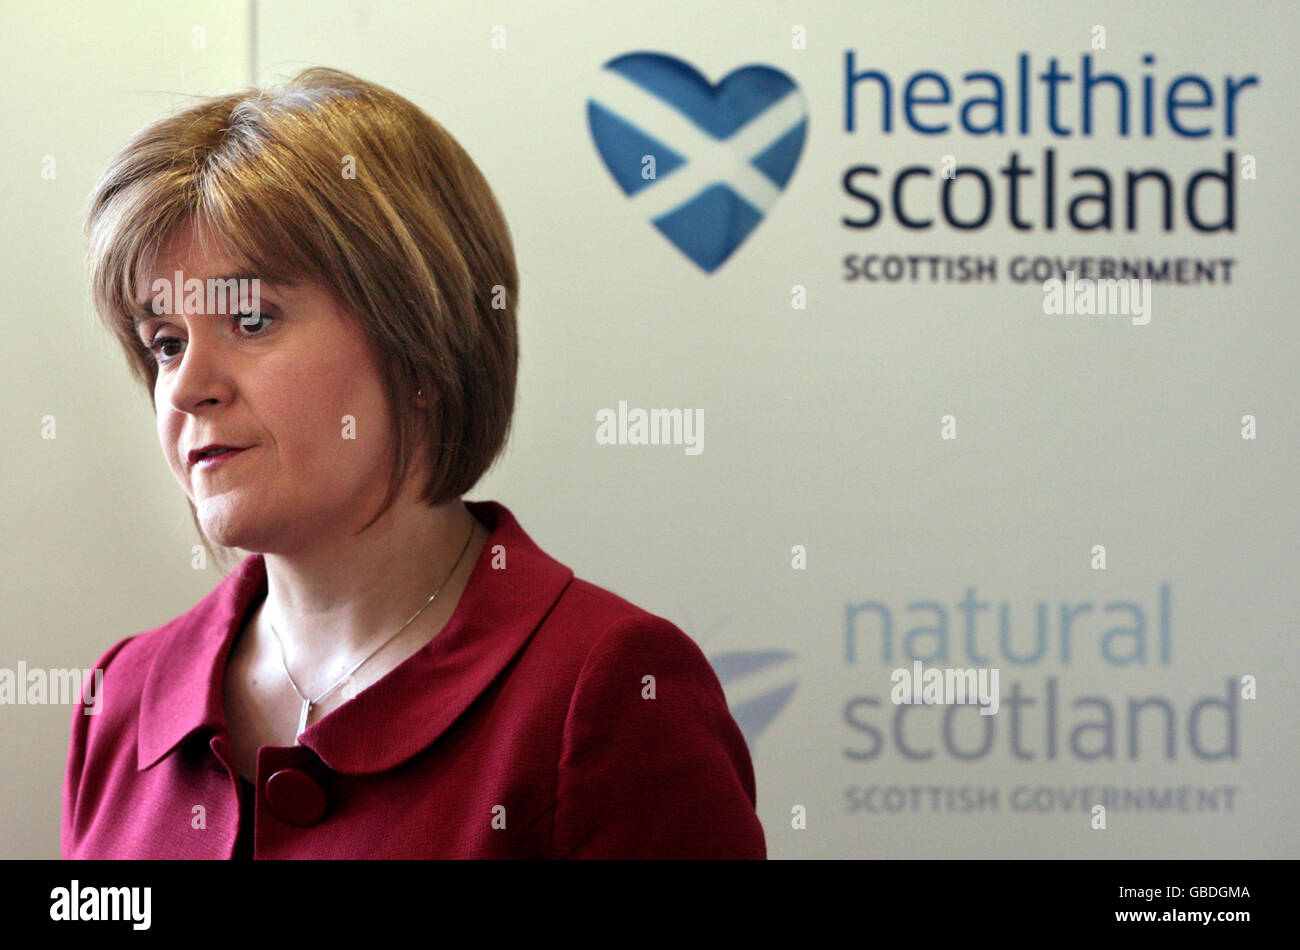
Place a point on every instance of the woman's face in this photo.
(284, 388)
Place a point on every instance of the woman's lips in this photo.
(212, 461)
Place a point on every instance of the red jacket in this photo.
(519, 731)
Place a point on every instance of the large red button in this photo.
(295, 797)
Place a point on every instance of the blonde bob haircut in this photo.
(335, 179)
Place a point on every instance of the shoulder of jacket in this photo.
(126, 664)
(594, 615)
(133, 654)
(603, 630)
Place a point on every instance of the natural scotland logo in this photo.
(756, 711)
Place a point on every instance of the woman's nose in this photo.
(200, 375)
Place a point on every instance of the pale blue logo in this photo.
(754, 713)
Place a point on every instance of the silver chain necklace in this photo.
(307, 704)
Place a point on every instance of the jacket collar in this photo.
(396, 717)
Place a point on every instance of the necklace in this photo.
(307, 704)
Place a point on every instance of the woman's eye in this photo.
(156, 347)
(252, 318)
(249, 320)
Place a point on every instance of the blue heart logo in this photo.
(704, 163)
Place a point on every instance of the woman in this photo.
(392, 673)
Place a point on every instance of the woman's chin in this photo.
(231, 529)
